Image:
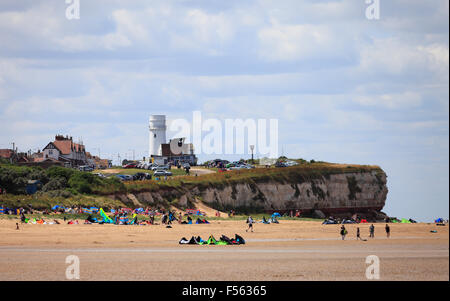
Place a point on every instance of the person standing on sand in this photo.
(343, 232)
(358, 234)
(250, 223)
(152, 219)
(388, 231)
(372, 231)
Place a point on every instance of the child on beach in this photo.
(388, 231)
(250, 224)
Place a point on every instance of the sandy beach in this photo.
(289, 251)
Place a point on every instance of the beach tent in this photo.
(106, 219)
(123, 220)
(405, 221)
(134, 220)
(87, 210)
(348, 221)
(276, 214)
(239, 240)
(439, 220)
(92, 219)
(193, 241)
(224, 241)
(210, 241)
(364, 221)
(184, 241)
(199, 221)
(273, 220)
(227, 240)
(264, 221)
(329, 222)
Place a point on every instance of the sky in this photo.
(344, 88)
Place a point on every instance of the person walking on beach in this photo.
(343, 232)
(358, 234)
(372, 231)
(388, 231)
(250, 224)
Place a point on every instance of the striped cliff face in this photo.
(336, 193)
(332, 194)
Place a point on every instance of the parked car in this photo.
(291, 163)
(248, 166)
(142, 176)
(280, 164)
(238, 167)
(120, 177)
(130, 165)
(160, 167)
(100, 175)
(85, 168)
(125, 177)
(162, 173)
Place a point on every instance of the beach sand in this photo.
(289, 251)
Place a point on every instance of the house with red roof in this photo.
(63, 149)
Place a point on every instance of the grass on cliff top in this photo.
(290, 175)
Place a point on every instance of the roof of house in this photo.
(6, 153)
(67, 146)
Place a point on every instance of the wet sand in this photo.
(291, 250)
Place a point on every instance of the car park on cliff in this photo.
(140, 176)
(162, 173)
(280, 164)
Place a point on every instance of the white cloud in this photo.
(294, 42)
(391, 55)
(402, 101)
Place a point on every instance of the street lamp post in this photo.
(133, 152)
(252, 147)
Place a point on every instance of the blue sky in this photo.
(344, 88)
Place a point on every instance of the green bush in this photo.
(60, 172)
(82, 181)
(55, 184)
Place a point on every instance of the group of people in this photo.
(344, 232)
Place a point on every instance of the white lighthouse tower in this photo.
(157, 134)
